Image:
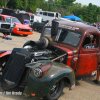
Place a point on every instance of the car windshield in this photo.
(15, 20)
(65, 36)
(68, 37)
(8, 19)
(47, 31)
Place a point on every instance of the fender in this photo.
(4, 53)
(41, 86)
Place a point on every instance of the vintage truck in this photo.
(81, 41)
(66, 50)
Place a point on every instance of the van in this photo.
(47, 15)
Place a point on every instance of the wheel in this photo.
(12, 33)
(55, 92)
(25, 35)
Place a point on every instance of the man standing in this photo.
(94, 24)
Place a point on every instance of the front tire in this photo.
(55, 92)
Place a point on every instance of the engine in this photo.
(44, 49)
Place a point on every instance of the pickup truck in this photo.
(66, 51)
(6, 27)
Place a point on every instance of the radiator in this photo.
(14, 68)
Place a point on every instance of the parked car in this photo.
(66, 51)
(21, 29)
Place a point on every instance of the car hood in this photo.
(69, 51)
(18, 25)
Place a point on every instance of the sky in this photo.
(86, 2)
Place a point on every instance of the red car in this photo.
(21, 29)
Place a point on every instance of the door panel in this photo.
(86, 63)
(88, 60)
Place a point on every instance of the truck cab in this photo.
(80, 41)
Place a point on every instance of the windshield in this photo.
(8, 19)
(15, 20)
(68, 37)
(47, 31)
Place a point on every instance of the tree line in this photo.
(88, 13)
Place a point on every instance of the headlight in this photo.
(27, 47)
(18, 29)
(30, 30)
(37, 72)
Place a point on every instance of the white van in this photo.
(47, 15)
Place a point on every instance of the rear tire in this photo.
(55, 92)
(25, 35)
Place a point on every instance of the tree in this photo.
(92, 13)
(80, 16)
(19, 4)
(3, 3)
(98, 14)
(33, 4)
(12, 4)
(50, 1)
(66, 3)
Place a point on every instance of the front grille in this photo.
(14, 69)
(5, 26)
(26, 30)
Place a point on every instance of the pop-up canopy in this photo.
(72, 17)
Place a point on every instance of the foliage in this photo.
(3, 3)
(88, 13)
(66, 3)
